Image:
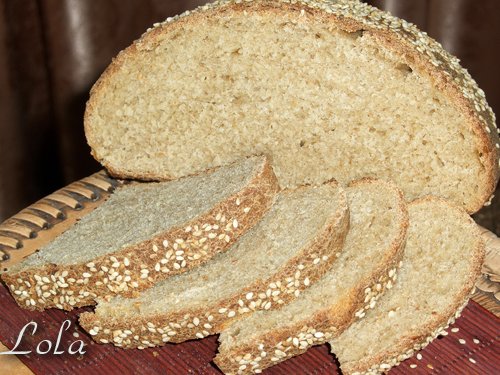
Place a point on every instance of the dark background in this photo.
(52, 51)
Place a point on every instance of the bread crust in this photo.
(400, 37)
(420, 337)
(280, 288)
(138, 267)
(283, 343)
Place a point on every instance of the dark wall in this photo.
(51, 51)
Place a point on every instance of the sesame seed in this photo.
(222, 311)
(413, 365)
(235, 223)
(247, 209)
(419, 356)
(462, 341)
(165, 243)
(455, 330)
(231, 314)
(476, 341)
(472, 360)
(238, 202)
(319, 335)
(307, 281)
(249, 295)
(86, 275)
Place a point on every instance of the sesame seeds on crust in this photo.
(138, 267)
(421, 52)
(285, 285)
(276, 347)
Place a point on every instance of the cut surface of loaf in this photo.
(441, 263)
(329, 89)
(131, 241)
(365, 268)
(290, 248)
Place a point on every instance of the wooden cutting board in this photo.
(471, 346)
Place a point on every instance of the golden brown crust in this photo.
(278, 289)
(274, 347)
(415, 47)
(137, 267)
(420, 337)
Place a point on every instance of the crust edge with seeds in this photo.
(408, 345)
(400, 36)
(138, 267)
(312, 262)
(282, 344)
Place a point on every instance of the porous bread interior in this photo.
(436, 263)
(376, 222)
(291, 224)
(322, 102)
(137, 212)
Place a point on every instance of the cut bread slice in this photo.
(365, 268)
(441, 263)
(135, 238)
(291, 248)
(329, 89)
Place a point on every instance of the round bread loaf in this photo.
(328, 89)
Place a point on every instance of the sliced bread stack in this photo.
(366, 267)
(441, 264)
(143, 234)
(294, 244)
(329, 89)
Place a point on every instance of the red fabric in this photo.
(445, 355)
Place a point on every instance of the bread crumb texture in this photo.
(272, 264)
(441, 238)
(144, 233)
(329, 89)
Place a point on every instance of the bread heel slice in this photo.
(364, 270)
(294, 244)
(145, 233)
(442, 261)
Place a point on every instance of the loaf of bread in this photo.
(442, 261)
(366, 267)
(294, 244)
(144, 233)
(328, 89)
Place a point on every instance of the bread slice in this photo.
(441, 263)
(290, 249)
(329, 89)
(145, 233)
(365, 268)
